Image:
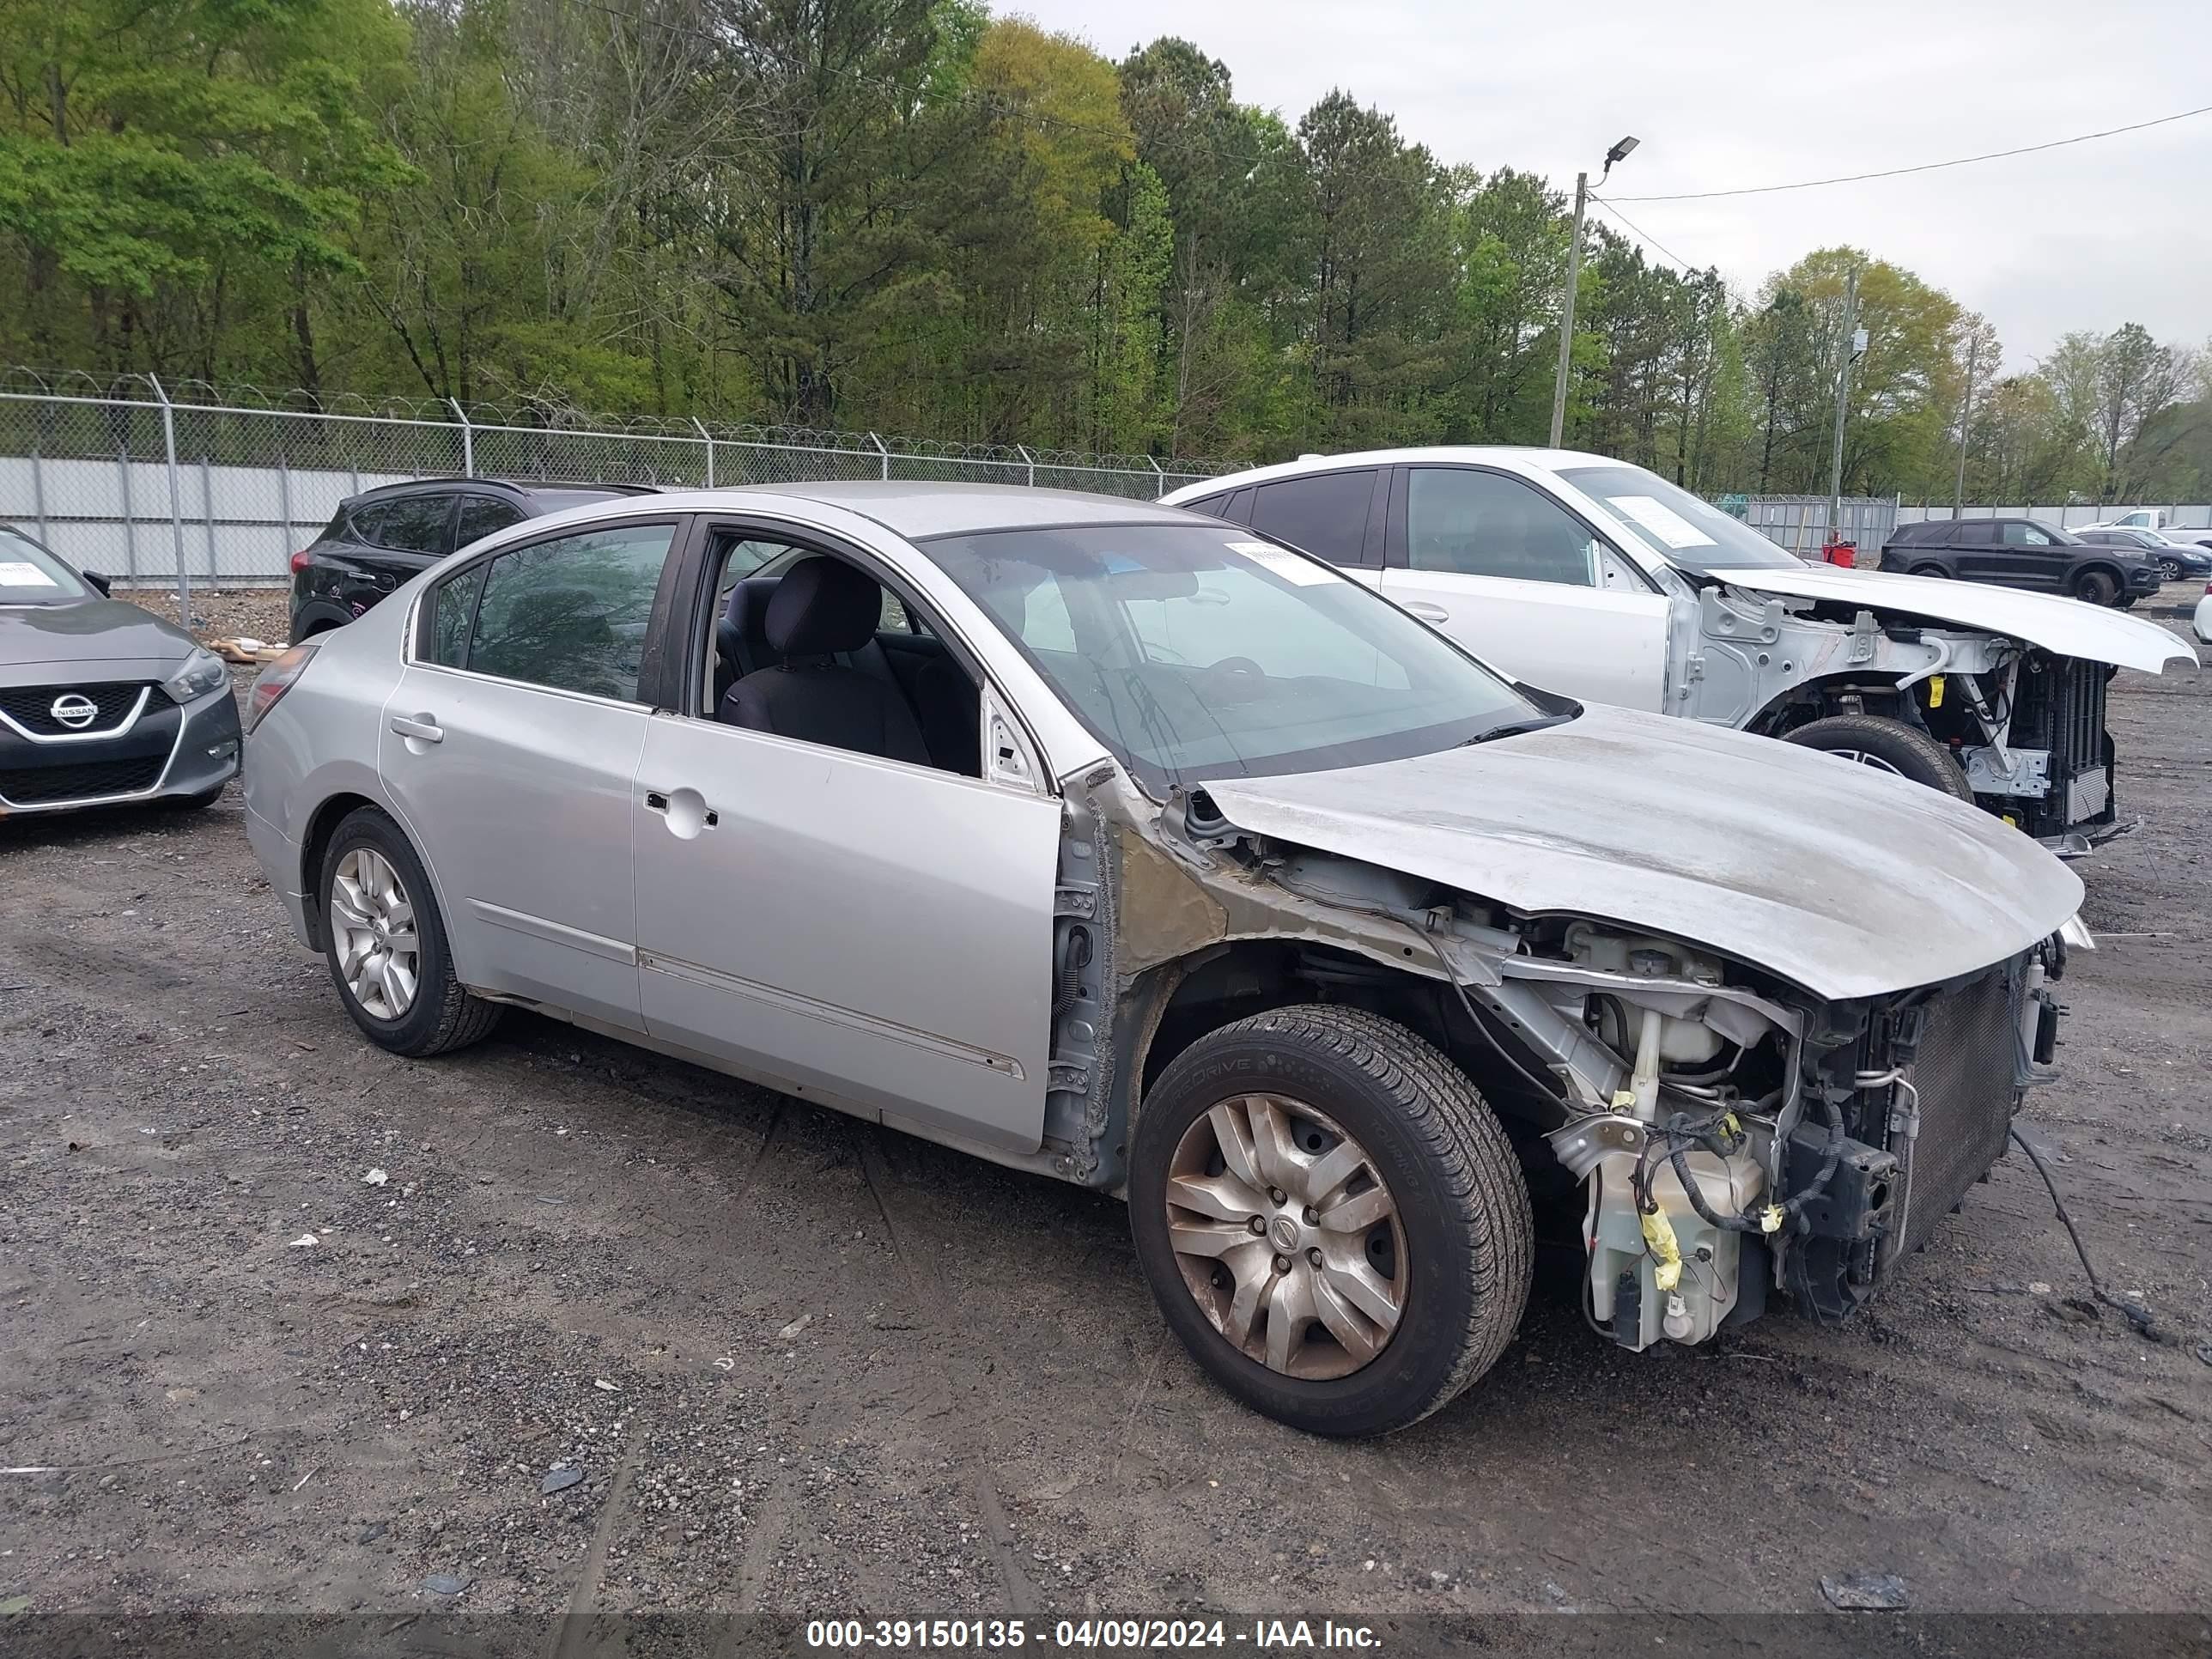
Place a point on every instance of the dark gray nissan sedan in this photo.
(102, 703)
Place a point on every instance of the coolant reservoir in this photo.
(1625, 1292)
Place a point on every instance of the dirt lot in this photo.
(811, 1367)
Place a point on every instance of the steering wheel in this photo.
(1235, 679)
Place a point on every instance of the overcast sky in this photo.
(2119, 230)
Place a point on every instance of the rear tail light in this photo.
(299, 560)
(273, 681)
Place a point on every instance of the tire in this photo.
(1888, 745)
(1461, 1235)
(2169, 570)
(439, 1014)
(2095, 588)
(1936, 570)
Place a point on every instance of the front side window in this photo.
(1325, 513)
(570, 614)
(1674, 524)
(29, 574)
(1196, 652)
(1484, 523)
(2026, 535)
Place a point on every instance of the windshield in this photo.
(31, 575)
(1196, 652)
(1676, 525)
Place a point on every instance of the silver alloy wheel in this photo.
(373, 924)
(1287, 1237)
(1864, 759)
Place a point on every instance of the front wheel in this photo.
(387, 943)
(1887, 745)
(2095, 588)
(1330, 1218)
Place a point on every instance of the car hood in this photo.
(1849, 882)
(107, 635)
(2066, 627)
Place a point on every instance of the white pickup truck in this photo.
(1601, 580)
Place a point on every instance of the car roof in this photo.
(1513, 457)
(918, 509)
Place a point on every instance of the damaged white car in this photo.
(1110, 844)
(1602, 581)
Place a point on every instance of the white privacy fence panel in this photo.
(146, 486)
(2195, 515)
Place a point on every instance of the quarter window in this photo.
(572, 613)
(1325, 515)
(1485, 523)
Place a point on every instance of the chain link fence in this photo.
(157, 486)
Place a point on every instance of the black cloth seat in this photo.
(820, 610)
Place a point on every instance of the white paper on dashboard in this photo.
(25, 575)
(1662, 520)
(1303, 572)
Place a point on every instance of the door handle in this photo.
(1428, 612)
(687, 816)
(424, 728)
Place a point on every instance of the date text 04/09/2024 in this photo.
(1266, 1635)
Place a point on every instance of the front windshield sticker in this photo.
(1662, 520)
(1302, 573)
(25, 575)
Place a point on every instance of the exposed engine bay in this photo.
(1731, 1136)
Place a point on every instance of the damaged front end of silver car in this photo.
(1730, 1134)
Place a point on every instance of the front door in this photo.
(828, 920)
(1512, 575)
(510, 747)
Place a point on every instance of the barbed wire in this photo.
(548, 418)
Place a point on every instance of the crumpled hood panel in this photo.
(2066, 627)
(1847, 881)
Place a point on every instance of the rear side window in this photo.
(1981, 534)
(483, 514)
(1325, 515)
(1210, 505)
(410, 524)
(570, 614)
(455, 614)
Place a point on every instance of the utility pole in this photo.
(1567, 312)
(1574, 280)
(1965, 414)
(1851, 348)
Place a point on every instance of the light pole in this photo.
(1855, 345)
(1619, 152)
(1965, 420)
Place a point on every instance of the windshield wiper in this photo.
(1517, 728)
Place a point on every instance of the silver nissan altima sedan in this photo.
(1118, 845)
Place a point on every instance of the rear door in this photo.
(1523, 582)
(511, 747)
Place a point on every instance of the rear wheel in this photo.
(2169, 570)
(1929, 570)
(1330, 1218)
(386, 945)
(1887, 745)
(2095, 588)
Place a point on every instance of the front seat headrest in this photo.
(742, 632)
(823, 606)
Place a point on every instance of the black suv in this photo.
(2022, 553)
(380, 537)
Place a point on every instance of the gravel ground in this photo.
(611, 1334)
